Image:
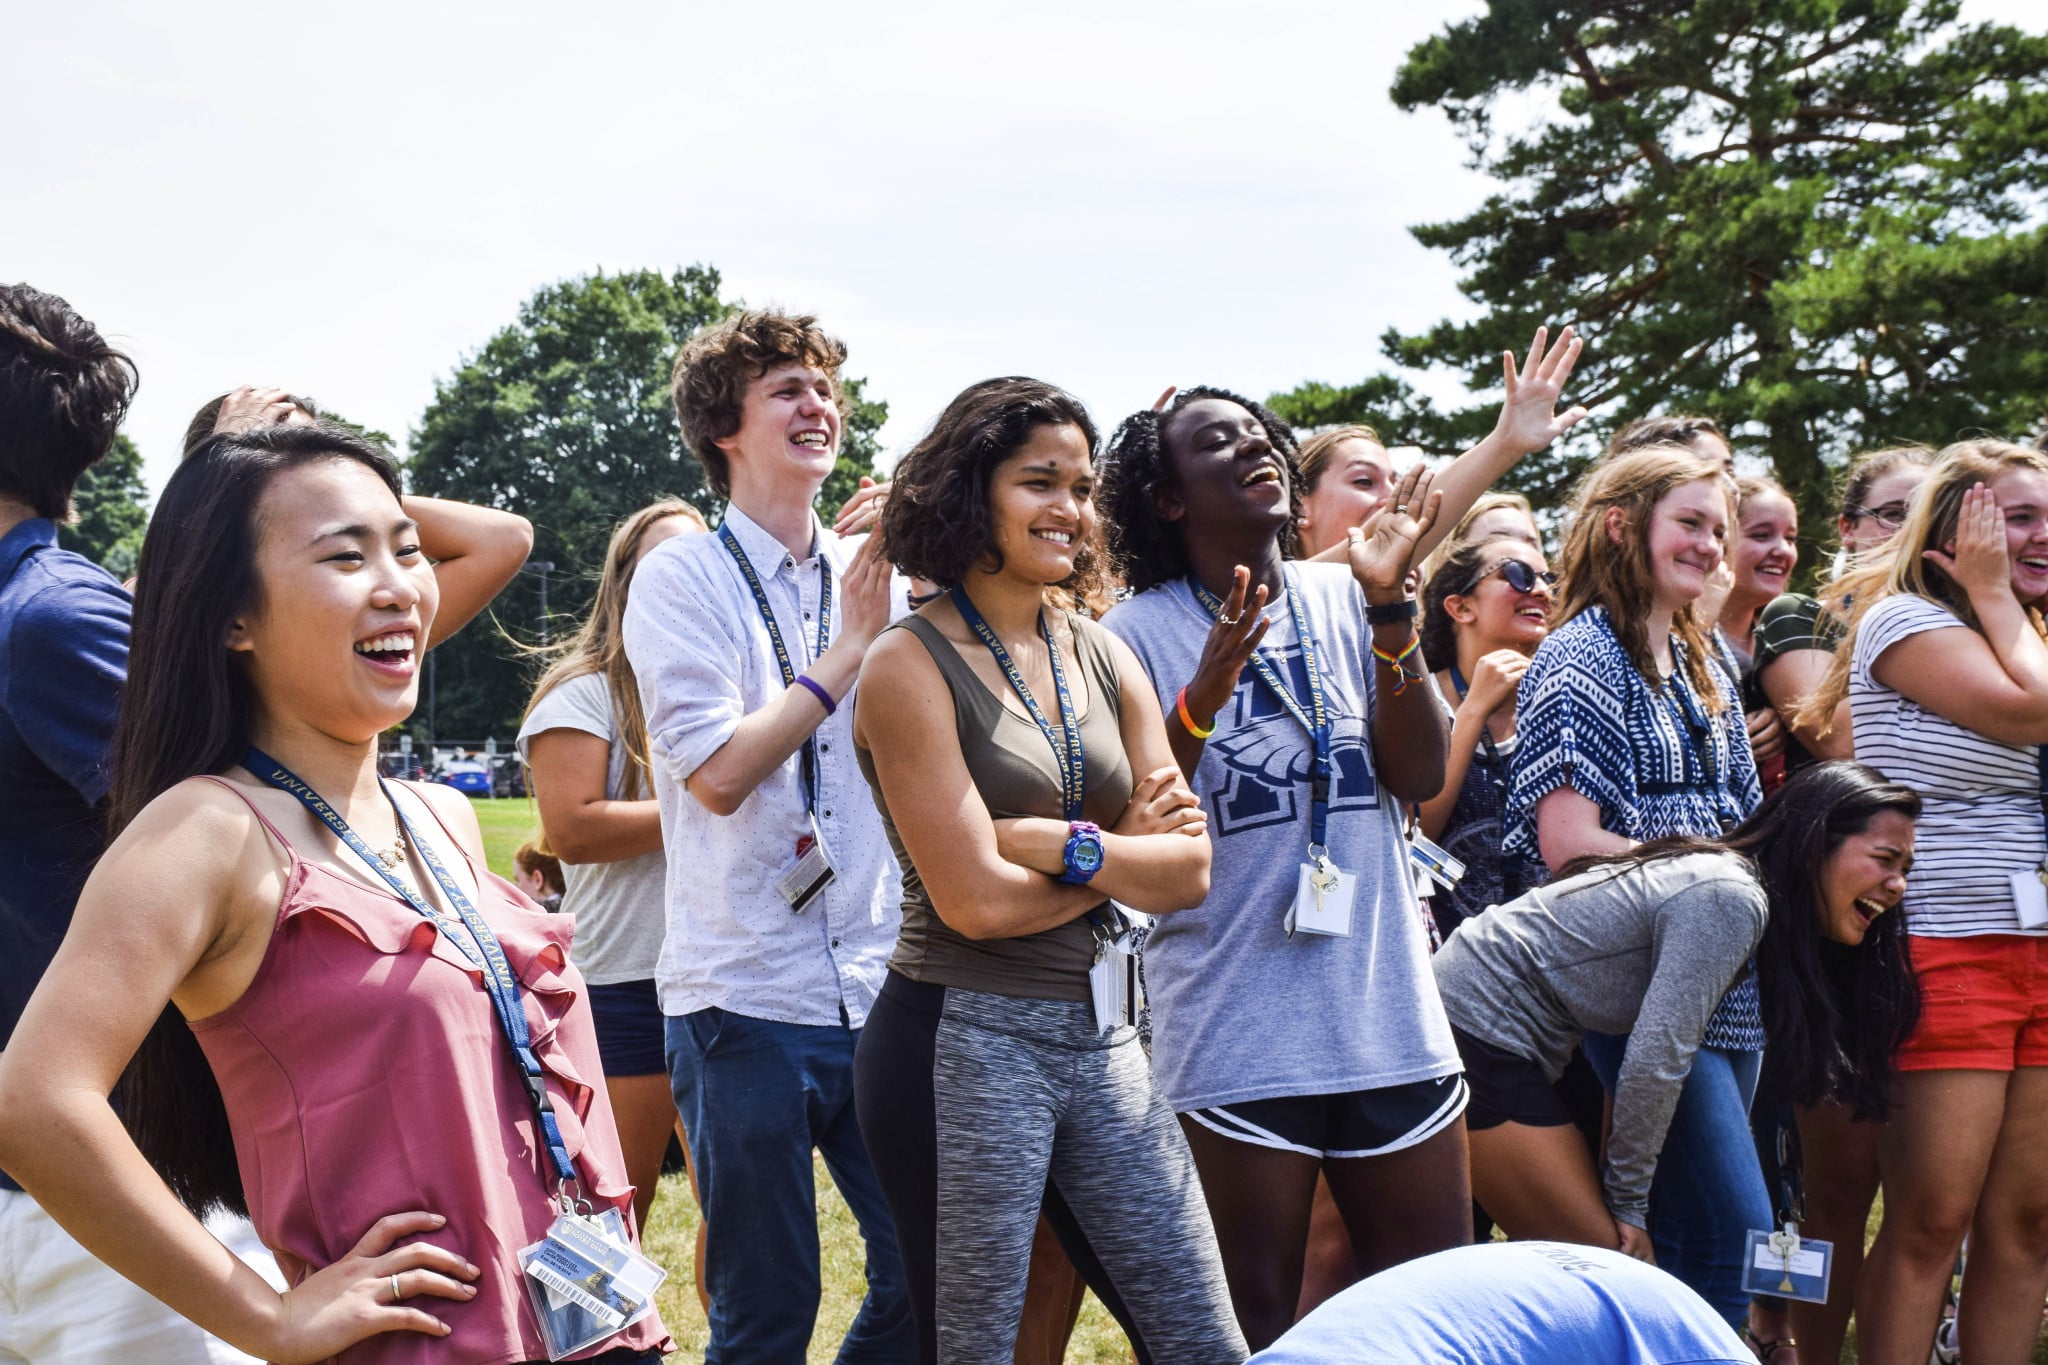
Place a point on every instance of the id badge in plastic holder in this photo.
(1114, 987)
(585, 1282)
(810, 872)
(1784, 1264)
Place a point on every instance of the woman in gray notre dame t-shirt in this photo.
(1645, 944)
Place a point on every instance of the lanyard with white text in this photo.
(1069, 757)
(810, 748)
(482, 947)
(1315, 718)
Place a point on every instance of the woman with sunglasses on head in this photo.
(1945, 670)
(1795, 641)
(344, 1024)
(1484, 612)
(1629, 732)
(1295, 1027)
(1024, 778)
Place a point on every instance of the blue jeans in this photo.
(755, 1098)
(1709, 1191)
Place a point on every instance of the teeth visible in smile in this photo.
(387, 644)
(1870, 908)
(1265, 473)
(1056, 537)
(814, 439)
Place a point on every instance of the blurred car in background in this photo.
(470, 776)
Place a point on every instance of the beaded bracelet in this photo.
(1396, 661)
(1180, 707)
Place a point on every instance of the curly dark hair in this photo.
(1147, 548)
(936, 523)
(709, 383)
(63, 393)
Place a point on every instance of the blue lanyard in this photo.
(480, 945)
(1314, 718)
(1072, 762)
(809, 762)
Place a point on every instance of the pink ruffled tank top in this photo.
(365, 1074)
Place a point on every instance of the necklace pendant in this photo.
(392, 857)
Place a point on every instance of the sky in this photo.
(348, 200)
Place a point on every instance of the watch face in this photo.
(1087, 855)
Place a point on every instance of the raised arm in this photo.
(688, 664)
(1528, 422)
(476, 551)
(1409, 737)
(1995, 683)
(179, 910)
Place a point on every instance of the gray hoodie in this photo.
(1647, 952)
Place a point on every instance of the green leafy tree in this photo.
(564, 417)
(112, 506)
(1383, 402)
(1818, 221)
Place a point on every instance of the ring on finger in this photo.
(395, 1294)
(1229, 620)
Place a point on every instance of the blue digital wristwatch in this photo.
(1083, 853)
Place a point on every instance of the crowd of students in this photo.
(1209, 868)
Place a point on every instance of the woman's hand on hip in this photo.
(351, 1300)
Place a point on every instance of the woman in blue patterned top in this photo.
(1629, 733)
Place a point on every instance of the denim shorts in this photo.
(629, 1028)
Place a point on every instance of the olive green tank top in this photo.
(1013, 769)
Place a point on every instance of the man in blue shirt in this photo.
(1513, 1303)
(63, 656)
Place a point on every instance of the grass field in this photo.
(672, 1229)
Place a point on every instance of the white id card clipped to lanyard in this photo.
(585, 1282)
(1322, 898)
(809, 872)
(1114, 984)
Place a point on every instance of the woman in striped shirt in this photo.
(1946, 674)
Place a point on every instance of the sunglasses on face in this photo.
(1517, 575)
(1891, 516)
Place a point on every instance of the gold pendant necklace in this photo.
(393, 856)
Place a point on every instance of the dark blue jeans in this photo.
(755, 1098)
(1709, 1190)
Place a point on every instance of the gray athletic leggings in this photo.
(979, 1111)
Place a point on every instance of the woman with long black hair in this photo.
(345, 1026)
(1646, 942)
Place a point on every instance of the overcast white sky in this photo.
(347, 199)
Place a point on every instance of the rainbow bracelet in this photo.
(1180, 706)
(1396, 661)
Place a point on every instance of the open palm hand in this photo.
(1529, 419)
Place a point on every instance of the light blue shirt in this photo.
(1513, 1303)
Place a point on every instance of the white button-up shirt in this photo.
(704, 662)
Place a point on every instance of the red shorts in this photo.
(1983, 1003)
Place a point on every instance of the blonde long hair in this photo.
(1902, 566)
(1596, 571)
(599, 646)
